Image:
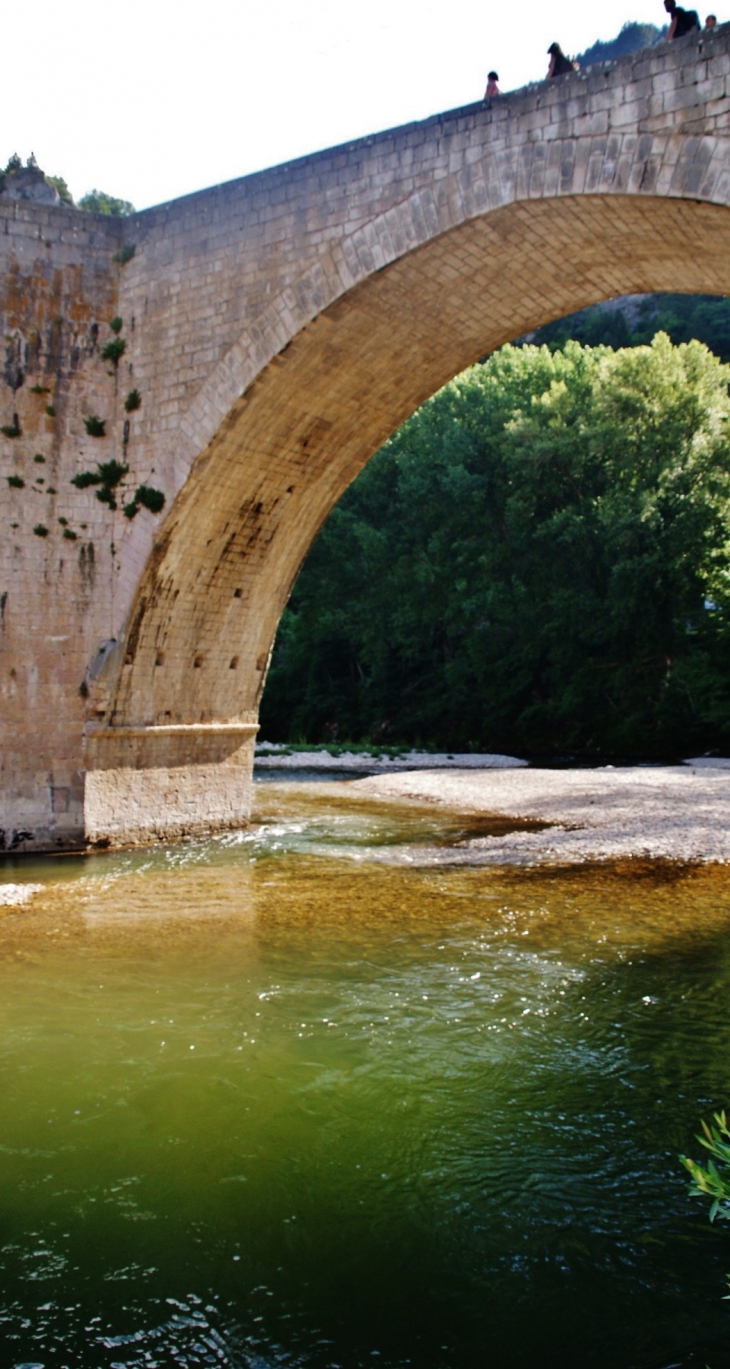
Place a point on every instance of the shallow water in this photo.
(289, 1098)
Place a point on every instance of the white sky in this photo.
(149, 100)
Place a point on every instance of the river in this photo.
(291, 1097)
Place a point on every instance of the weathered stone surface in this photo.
(165, 783)
(277, 330)
(28, 183)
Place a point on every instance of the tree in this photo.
(60, 185)
(633, 322)
(632, 38)
(535, 562)
(99, 202)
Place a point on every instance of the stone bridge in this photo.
(275, 331)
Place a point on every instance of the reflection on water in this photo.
(283, 1098)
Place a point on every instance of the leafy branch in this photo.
(711, 1182)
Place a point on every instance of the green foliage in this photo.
(11, 429)
(60, 185)
(710, 1181)
(147, 498)
(116, 324)
(112, 473)
(632, 38)
(14, 163)
(95, 426)
(114, 350)
(536, 562)
(151, 499)
(16, 482)
(39, 390)
(69, 534)
(99, 202)
(633, 323)
(40, 530)
(39, 459)
(713, 1179)
(125, 253)
(133, 401)
(51, 410)
(108, 475)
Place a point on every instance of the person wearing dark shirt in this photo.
(560, 65)
(682, 21)
(711, 22)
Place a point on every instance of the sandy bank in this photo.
(668, 812)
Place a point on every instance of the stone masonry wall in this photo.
(58, 289)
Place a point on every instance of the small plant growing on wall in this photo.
(145, 498)
(51, 410)
(39, 390)
(133, 401)
(16, 483)
(116, 324)
(40, 530)
(11, 429)
(114, 350)
(107, 476)
(125, 253)
(95, 426)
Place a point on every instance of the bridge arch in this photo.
(193, 663)
(224, 564)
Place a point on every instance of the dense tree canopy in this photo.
(99, 202)
(633, 321)
(632, 37)
(536, 562)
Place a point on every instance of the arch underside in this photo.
(206, 612)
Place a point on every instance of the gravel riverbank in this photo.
(277, 757)
(678, 812)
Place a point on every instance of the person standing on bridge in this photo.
(560, 65)
(682, 21)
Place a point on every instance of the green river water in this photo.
(289, 1097)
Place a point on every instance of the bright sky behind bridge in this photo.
(149, 100)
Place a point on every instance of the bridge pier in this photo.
(146, 784)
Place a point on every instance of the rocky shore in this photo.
(678, 812)
(273, 756)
